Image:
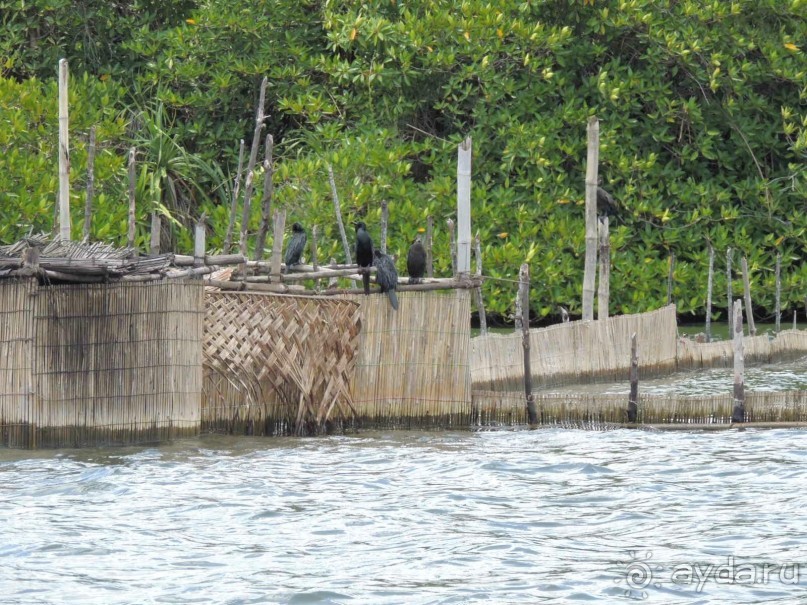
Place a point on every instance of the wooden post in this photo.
(709, 281)
(277, 244)
(778, 307)
(90, 185)
(730, 295)
(592, 160)
(480, 303)
(794, 319)
(453, 246)
(604, 282)
(314, 260)
(564, 315)
(428, 246)
(338, 211)
(749, 313)
(384, 223)
(463, 265)
(228, 238)
(156, 226)
(64, 155)
(633, 398)
(738, 413)
(266, 200)
(524, 297)
(333, 282)
(199, 243)
(253, 158)
(670, 276)
(132, 182)
(517, 315)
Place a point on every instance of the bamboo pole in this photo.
(524, 297)
(464, 152)
(333, 282)
(228, 238)
(156, 226)
(729, 293)
(633, 398)
(199, 243)
(338, 211)
(384, 223)
(592, 160)
(480, 303)
(794, 319)
(453, 247)
(132, 182)
(64, 154)
(604, 282)
(749, 313)
(277, 243)
(738, 413)
(90, 185)
(709, 281)
(670, 277)
(778, 308)
(266, 200)
(428, 246)
(253, 158)
(314, 259)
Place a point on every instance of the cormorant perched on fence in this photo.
(364, 253)
(606, 204)
(296, 245)
(386, 276)
(416, 261)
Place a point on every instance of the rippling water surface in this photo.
(545, 516)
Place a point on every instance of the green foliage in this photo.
(701, 108)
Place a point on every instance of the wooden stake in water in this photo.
(778, 307)
(749, 315)
(604, 282)
(794, 320)
(730, 296)
(64, 155)
(524, 297)
(199, 243)
(592, 161)
(709, 294)
(253, 158)
(428, 246)
(90, 185)
(266, 200)
(480, 304)
(277, 244)
(132, 182)
(228, 238)
(384, 224)
(633, 398)
(452, 243)
(338, 211)
(463, 263)
(156, 226)
(517, 315)
(670, 276)
(738, 413)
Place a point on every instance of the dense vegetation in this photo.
(702, 106)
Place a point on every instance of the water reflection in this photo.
(549, 516)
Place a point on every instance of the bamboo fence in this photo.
(785, 346)
(277, 364)
(577, 352)
(413, 367)
(99, 364)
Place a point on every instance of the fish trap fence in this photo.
(99, 364)
(577, 352)
(413, 364)
(788, 345)
(278, 364)
(598, 410)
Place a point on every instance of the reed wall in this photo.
(101, 364)
(413, 367)
(577, 352)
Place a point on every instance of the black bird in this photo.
(606, 204)
(296, 245)
(364, 253)
(416, 261)
(386, 276)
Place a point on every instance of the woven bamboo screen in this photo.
(16, 348)
(787, 345)
(413, 368)
(109, 363)
(277, 363)
(577, 352)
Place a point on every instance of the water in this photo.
(545, 516)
